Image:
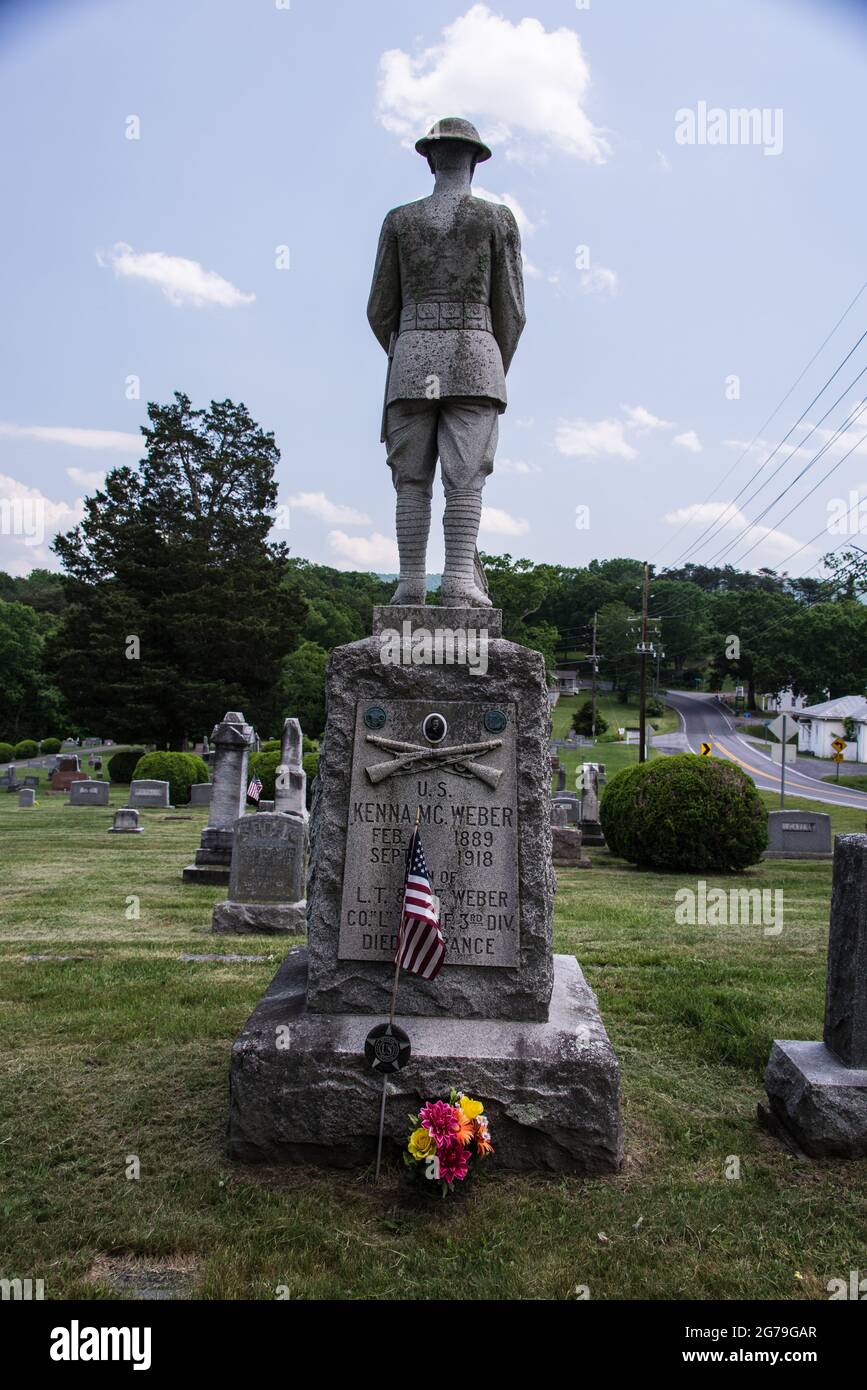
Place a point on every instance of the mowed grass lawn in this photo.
(124, 1050)
(614, 755)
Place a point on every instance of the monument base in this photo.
(304, 1094)
(796, 854)
(265, 919)
(213, 862)
(591, 832)
(816, 1101)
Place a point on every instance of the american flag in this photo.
(254, 791)
(421, 946)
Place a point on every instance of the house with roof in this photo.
(844, 718)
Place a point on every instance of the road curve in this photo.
(705, 718)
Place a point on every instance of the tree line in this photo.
(173, 605)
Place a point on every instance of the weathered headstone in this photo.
(591, 830)
(266, 887)
(566, 841)
(290, 783)
(561, 779)
(88, 794)
(504, 1018)
(817, 1091)
(149, 794)
(232, 739)
(125, 822)
(26, 798)
(68, 771)
(265, 806)
(200, 793)
(798, 835)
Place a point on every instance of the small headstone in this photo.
(200, 793)
(31, 781)
(817, 1091)
(265, 806)
(26, 797)
(566, 848)
(798, 835)
(149, 793)
(88, 794)
(267, 883)
(125, 822)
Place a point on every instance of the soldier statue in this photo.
(447, 305)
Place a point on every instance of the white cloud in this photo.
(499, 523)
(85, 477)
(80, 439)
(772, 546)
(29, 521)
(519, 466)
(598, 279)
(376, 552)
(592, 438)
(181, 281)
(689, 440)
(525, 86)
(333, 513)
(642, 420)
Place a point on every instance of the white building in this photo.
(567, 680)
(782, 701)
(819, 725)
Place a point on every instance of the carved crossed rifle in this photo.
(414, 757)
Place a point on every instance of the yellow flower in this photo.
(471, 1108)
(421, 1144)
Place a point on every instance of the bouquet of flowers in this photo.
(447, 1138)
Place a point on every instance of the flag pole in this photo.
(391, 1021)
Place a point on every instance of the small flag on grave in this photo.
(421, 946)
(254, 791)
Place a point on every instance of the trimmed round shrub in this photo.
(270, 745)
(310, 763)
(27, 748)
(7, 752)
(180, 770)
(50, 745)
(685, 812)
(264, 765)
(121, 766)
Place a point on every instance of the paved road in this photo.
(702, 717)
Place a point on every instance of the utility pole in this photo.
(642, 716)
(593, 697)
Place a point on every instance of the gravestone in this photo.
(265, 806)
(290, 782)
(571, 807)
(798, 835)
(591, 830)
(266, 887)
(30, 781)
(68, 771)
(26, 798)
(561, 779)
(566, 842)
(200, 793)
(125, 822)
(88, 794)
(149, 794)
(232, 739)
(817, 1091)
(504, 1019)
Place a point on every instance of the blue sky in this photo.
(263, 127)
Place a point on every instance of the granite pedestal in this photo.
(467, 755)
(232, 739)
(301, 1091)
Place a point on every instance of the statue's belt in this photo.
(432, 314)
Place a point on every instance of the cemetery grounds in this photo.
(120, 1053)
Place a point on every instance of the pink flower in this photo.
(454, 1161)
(440, 1121)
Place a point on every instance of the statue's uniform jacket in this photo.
(476, 260)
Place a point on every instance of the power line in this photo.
(718, 521)
(777, 408)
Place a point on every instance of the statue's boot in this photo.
(413, 525)
(461, 528)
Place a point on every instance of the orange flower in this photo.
(482, 1138)
(464, 1131)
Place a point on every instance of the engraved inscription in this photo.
(467, 796)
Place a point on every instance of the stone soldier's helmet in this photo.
(453, 128)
